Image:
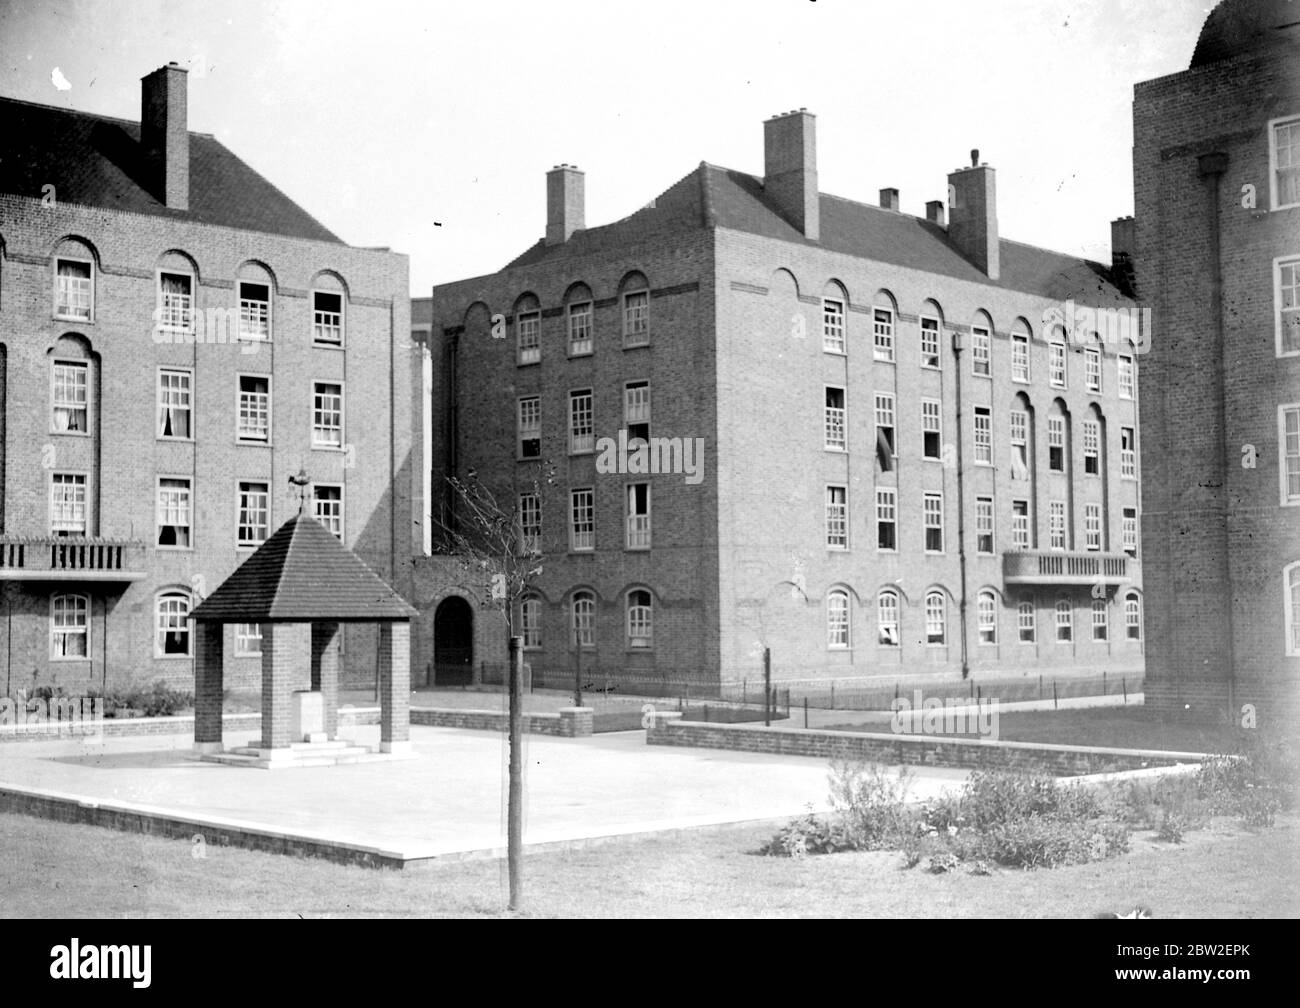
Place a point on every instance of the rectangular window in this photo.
(1019, 357)
(1056, 364)
(638, 516)
(1127, 384)
(1091, 448)
(1284, 152)
(582, 436)
(935, 623)
(530, 522)
(1056, 525)
(885, 431)
(68, 504)
(528, 330)
(254, 514)
(248, 640)
(984, 525)
(882, 327)
(1288, 307)
(1064, 621)
(636, 319)
(530, 622)
(174, 512)
(1056, 444)
(835, 435)
(1288, 433)
(1025, 621)
(886, 518)
(981, 351)
(255, 311)
(933, 512)
(327, 317)
(636, 410)
(69, 627)
(931, 429)
(1100, 620)
(1129, 531)
(74, 295)
(837, 517)
(71, 398)
(1020, 537)
(833, 326)
(983, 436)
(174, 403)
(582, 517)
(175, 302)
(1019, 421)
(1092, 526)
(530, 427)
(1127, 453)
(1092, 369)
(929, 342)
(580, 329)
(254, 413)
(327, 507)
(327, 415)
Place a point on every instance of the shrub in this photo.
(870, 803)
(991, 797)
(158, 700)
(809, 834)
(1049, 842)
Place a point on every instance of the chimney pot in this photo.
(974, 157)
(889, 199)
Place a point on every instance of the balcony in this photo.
(1056, 567)
(70, 558)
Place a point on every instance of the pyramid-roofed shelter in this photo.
(303, 574)
(300, 585)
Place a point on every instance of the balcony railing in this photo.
(1059, 567)
(70, 558)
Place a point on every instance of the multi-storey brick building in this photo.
(1216, 166)
(177, 338)
(917, 448)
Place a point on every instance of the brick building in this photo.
(177, 338)
(1216, 166)
(916, 439)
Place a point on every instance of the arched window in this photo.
(584, 619)
(981, 346)
(882, 327)
(987, 606)
(837, 619)
(834, 299)
(1133, 616)
(579, 317)
(1291, 580)
(1025, 622)
(640, 619)
(528, 329)
(69, 626)
(636, 310)
(530, 621)
(1064, 621)
(328, 301)
(935, 619)
(887, 617)
(173, 625)
(1100, 620)
(74, 281)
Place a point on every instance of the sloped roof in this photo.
(713, 196)
(97, 161)
(1238, 27)
(302, 573)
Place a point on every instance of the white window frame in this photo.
(636, 325)
(932, 508)
(1273, 126)
(245, 505)
(582, 439)
(240, 436)
(882, 334)
(324, 516)
(1128, 456)
(1288, 463)
(835, 421)
(322, 320)
(1101, 608)
(186, 324)
(1129, 531)
(1293, 261)
(1057, 522)
(66, 629)
(188, 389)
(521, 430)
(1092, 369)
(1025, 608)
(985, 524)
(90, 308)
(637, 523)
(887, 515)
(74, 475)
(530, 350)
(530, 622)
(1057, 364)
(582, 618)
(981, 351)
(834, 327)
(1066, 623)
(986, 610)
(530, 522)
(1021, 526)
(888, 618)
(1126, 374)
(1091, 431)
(583, 541)
(932, 423)
(189, 511)
(1020, 366)
(159, 625)
(244, 637)
(1132, 616)
(640, 615)
(1056, 439)
(1092, 527)
(581, 345)
(982, 435)
(251, 322)
(839, 620)
(837, 517)
(317, 444)
(933, 608)
(84, 366)
(885, 410)
(926, 334)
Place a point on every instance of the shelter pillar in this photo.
(209, 653)
(395, 686)
(286, 668)
(325, 671)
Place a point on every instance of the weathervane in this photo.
(301, 481)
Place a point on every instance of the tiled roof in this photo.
(730, 199)
(97, 161)
(302, 573)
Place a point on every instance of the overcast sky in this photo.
(382, 117)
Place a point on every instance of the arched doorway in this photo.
(453, 642)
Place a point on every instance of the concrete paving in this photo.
(447, 803)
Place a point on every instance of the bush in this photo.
(993, 797)
(809, 834)
(870, 803)
(158, 700)
(1049, 842)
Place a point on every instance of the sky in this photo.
(428, 127)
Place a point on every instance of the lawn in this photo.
(53, 869)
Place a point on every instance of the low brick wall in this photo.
(570, 722)
(667, 728)
(349, 717)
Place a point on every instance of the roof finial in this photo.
(301, 481)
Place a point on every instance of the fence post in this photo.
(1123, 681)
(1040, 686)
(744, 691)
(805, 711)
(832, 696)
(767, 687)
(1055, 705)
(1103, 682)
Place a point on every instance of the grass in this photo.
(53, 869)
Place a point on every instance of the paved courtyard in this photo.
(450, 801)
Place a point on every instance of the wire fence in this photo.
(847, 694)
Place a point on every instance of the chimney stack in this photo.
(165, 135)
(566, 200)
(790, 169)
(889, 199)
(1123, 251)
(973, 215)
(934, 212)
